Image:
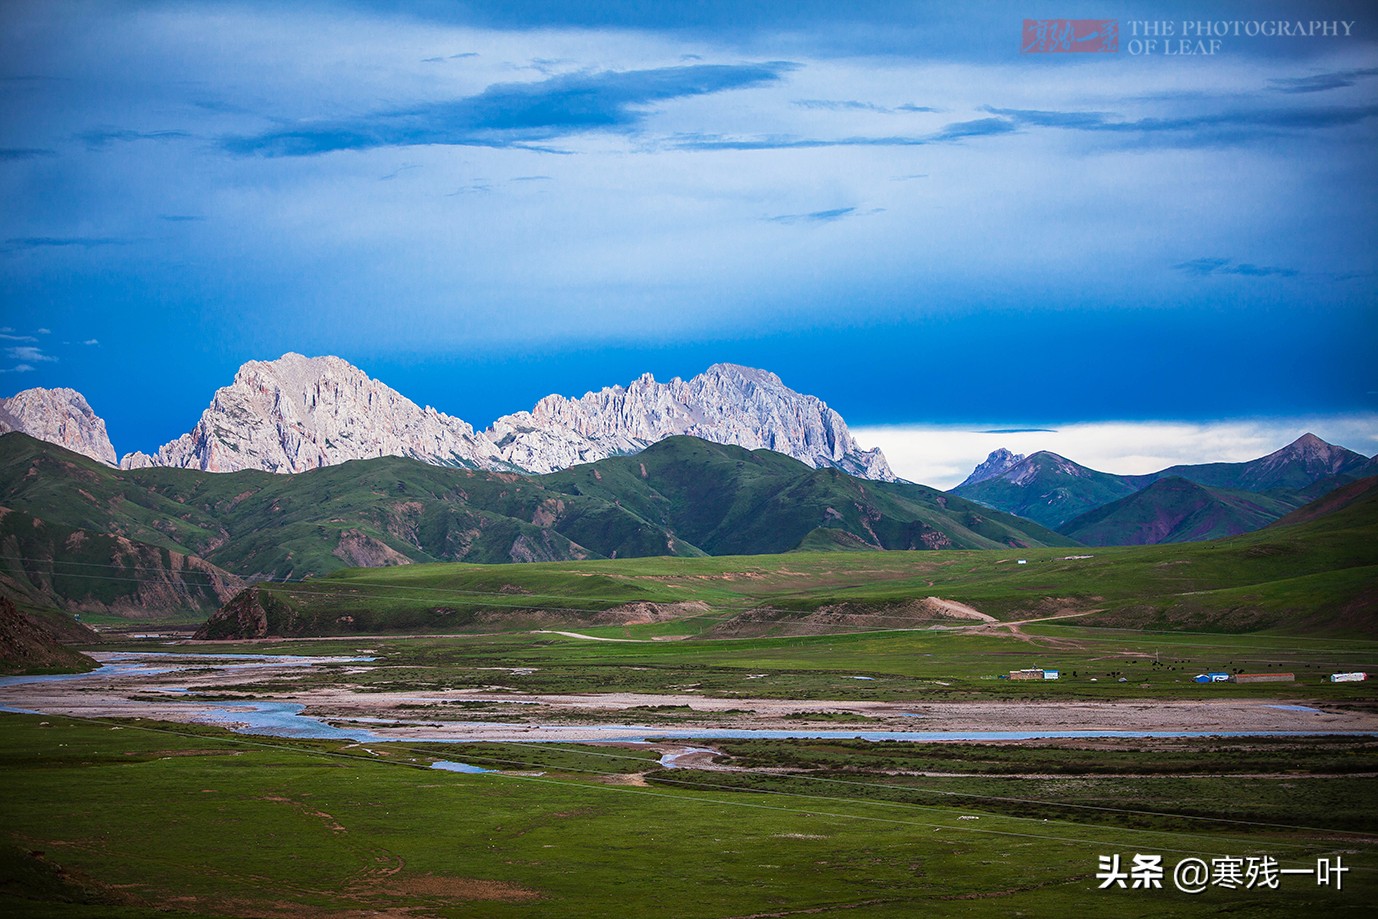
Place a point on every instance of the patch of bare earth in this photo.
(457, 888)
(630, 778)
(645, 613)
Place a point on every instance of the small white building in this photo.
(1356, 677)
(1033, 673)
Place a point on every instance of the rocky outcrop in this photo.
(298, 413)
(727, 404)
(59, 416)
(357, 549)
(244, 616)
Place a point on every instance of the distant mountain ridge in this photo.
(726, 404)
(1174, 509)
(90, 537)
(298, 413)
(1306, 460)
(1311, 576)
(1181, 503)
(1044, 487)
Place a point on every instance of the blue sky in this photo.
(885, 203)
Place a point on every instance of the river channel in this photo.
(147, 685)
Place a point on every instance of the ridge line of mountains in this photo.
(1183, 503)
(298, 413)
(81, 535)
(77, 535)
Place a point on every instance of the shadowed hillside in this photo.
(1317, 577)
(87, 536)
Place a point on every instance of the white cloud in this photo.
(942, 456)
(28, 353)
(91, 341)
(18, 368)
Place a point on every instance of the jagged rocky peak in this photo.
(1035, 467)
(997, 463)
(727, 404)
(298, 413)
(60, 416)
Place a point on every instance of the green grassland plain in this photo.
(845, 828)
(126, 819)
(122, 819)
(917, 665)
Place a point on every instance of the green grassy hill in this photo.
(85, 535)
(1334, 501)
(1295, 467)
(47, 563)
(1316, 577)
(1101, 508)
(729, 501)
(1176, 510)
(1049, 489)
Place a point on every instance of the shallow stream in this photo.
(286, 719)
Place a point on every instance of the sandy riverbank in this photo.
(158, 688)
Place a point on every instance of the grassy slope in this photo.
(1259, 474)
(730, 501)
(1176, 510)
(1247, 495)
(76, 532)
(391, 510)
(1315, 576)
(47, 563)
(1051, 495)
(1332, 501)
